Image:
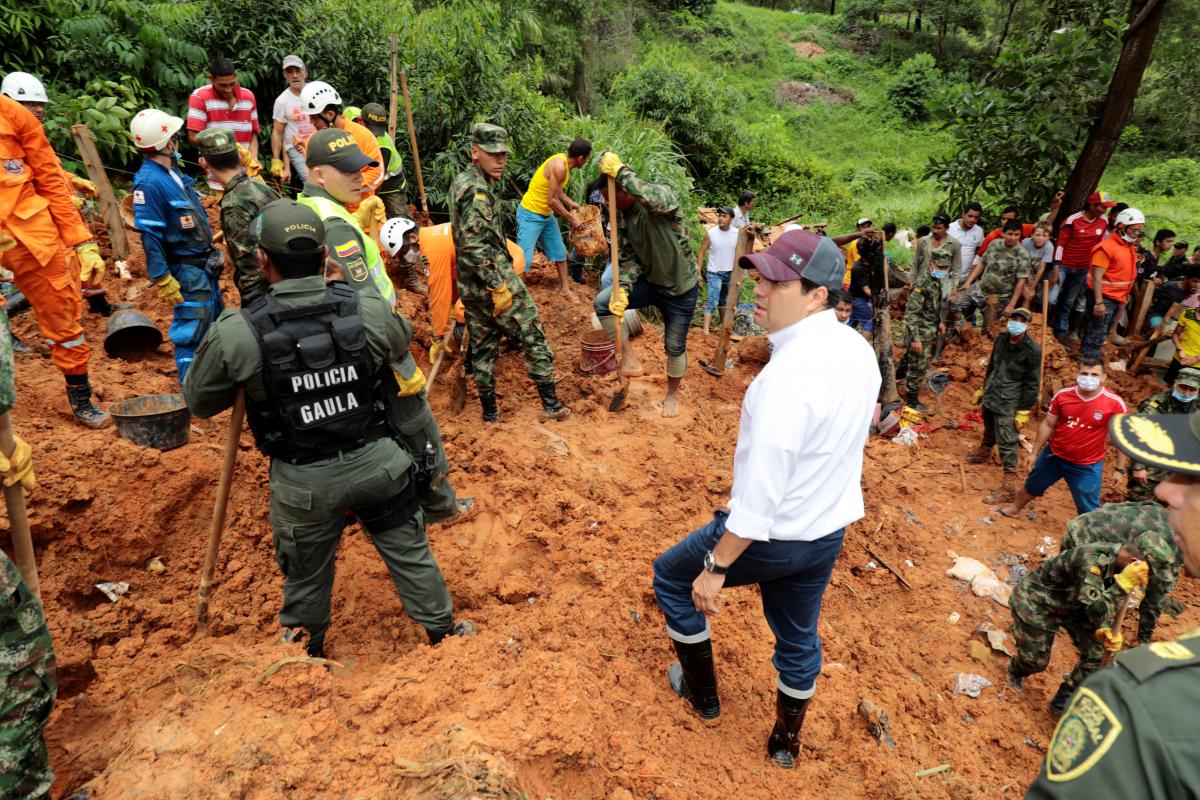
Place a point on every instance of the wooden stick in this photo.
(217, 528)
(614, 255)
(1141, 308)
(888, 567)
(1172, 313)
(18, 520)
(1116, 627)
(744, 245)
(109, 208)
(412, 138)
(962, 476)
(437, 364)
(1045, 331)
(392, 94)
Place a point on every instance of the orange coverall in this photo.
(36, 210)
(437, 250)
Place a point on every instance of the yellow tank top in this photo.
(537, 196)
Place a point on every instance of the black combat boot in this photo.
(551, 408)
(490, 412)
(1059, 704)
(783, 746)
(98, 303)
(694, 679)
(915, 404)
(315, 648)
(461, 628)
(79, 393)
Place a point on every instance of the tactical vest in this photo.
(394, 165)
(327, 209)
(323, 391)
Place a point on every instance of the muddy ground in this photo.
(562, 693)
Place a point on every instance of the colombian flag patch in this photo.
(348, 249)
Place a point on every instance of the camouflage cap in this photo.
(1022, 312)
(1189, 376)
(288, 227)
(215, 141)
(338, 149)
(1159, 549)
(490, 138)
(941, 255)
(375, 117)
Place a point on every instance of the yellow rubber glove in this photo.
(409, 386)
(1136, 574)
(253, 168)
(618, 302)
(610, 163)
(83, 185)
(277, 169)
(18, 468)
(6, 242)
(91, 265)
(168, 289)
(1021, 418)
(501, 299)
(1112, 641)
(77, 201)
(371, 215)
(977, 398)
(437, 347)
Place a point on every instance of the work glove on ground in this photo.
(91, 265)
(437, 347)
(371, 215)
(83, 185)
(1136, 574)
(1021, 418)
(18, 468)
(168, 289)
(501, 299)
(408, 387)
(618, 302)
(610, 163)
(277, 169)
(6, 242)
(1112, 641)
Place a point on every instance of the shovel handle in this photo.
(217, 528)
(14, 498)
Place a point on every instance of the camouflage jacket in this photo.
(1071, 589)
(1146, 523)
(1163, 403)
(653, 238)
(24, 637)
(925, 309)
(8, 389)
(477, 222)
(1002, 268)
(920, 263)
(243, 201)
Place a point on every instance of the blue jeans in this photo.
(862, 314)
(1073, 282)
(718, 287)
(533, 227)
(1097, 329)
(791, 576)
(1084, 480)
(677, 311)
(299, 167)
(606, 278)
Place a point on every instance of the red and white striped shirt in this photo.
(206, 109)
(1081, 432)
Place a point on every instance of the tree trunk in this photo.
(1145, 17)
(917, 21)
(943, 24)
(908, 22)
(832, 7)
(1012, 7)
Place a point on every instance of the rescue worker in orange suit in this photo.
(29, 92)
(181, 260)
(36, 210)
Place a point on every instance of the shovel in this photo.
(437, 364)
(217, 528)
(618, 399)
(458, 389)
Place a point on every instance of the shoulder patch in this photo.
(1094, 570)
(1173, 651)
(357, 269)
(1085, 733)
(139, 197)
(480, 196)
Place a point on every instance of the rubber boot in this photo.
(79, 393)
(982, 455)
(915, 404)
(490, 412)
(784, 744)
(98, 303)
(410, 279)
(694, 679)
(314, 648)
(1014, 680)
(551, 408)
(461, 628)
(1063, 696)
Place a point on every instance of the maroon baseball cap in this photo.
(800, 254)
(1104, 198)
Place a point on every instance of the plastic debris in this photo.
(907, 437)
(997, 638)
(954, 618)
(970, 684)
(982, 580)
(156, 566)
(113, 590)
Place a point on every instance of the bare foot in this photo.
(671, 406)
(631, 367)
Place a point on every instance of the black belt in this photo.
(372, 435)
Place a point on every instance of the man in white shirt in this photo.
(797, 474)
(290, 124)
(741, 217)
(967, 231)
(719, 245)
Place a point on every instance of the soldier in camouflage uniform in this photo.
(28, 684)
(243, 200)
(1005, 268)
(924, 319)
(495, 300)
(1180, 400)
(1081, 590)
(1146, 525)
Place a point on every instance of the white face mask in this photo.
(412, 256)
(1089, 383)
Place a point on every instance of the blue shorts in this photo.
(862, 315)
(1084, 480)
(532, 228)
(718, 290)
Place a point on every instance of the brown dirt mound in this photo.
(562, 692)
(808, 49)
(799, 93)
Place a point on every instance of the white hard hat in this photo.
(24, 88)
(317, 96)
(152, 129)
(1131, 216)
(391, 236)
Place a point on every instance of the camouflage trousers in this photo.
(1137, 493)
(8, 394)
(1034, 645)
(521, 324)
(916, 365)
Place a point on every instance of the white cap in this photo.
(24, 88)
(863, 221)
(292, 61)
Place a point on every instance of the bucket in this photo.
(588, 239)
(161, 421)
(633, 323)
(131, 335)
(597, 354)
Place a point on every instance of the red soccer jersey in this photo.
(1077, 237)
(1081, 433)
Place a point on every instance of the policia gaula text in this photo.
(312, 359)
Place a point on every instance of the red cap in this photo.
(800, 254)
(1103, 198)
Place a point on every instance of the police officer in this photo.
(180, 257)
(313, 360)
(1130, 731)
(1181, 399)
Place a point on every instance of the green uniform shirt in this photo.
(653, 238)
(229, 356)
(1011, 383)
(1002, 268)
(1069, 588)
(924, 310)
(243, 201)
(477, 222)
(348, 245)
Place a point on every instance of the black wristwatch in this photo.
(711, 565)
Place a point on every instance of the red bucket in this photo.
(597, 354)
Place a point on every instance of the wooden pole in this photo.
(720, 354)
(109, 207)
(1045, 331)
(614, 255)
(392, 96)
(1172, 313)
(1141, 308)
(217, 528)
(18, 520)
(412, 138)
(1119, 622)
(437, 364)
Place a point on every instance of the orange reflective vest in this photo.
(1119, 259)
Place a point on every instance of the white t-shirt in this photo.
(721, 247)
(969, 241)
(289, 111)
(1042, 255)
(740, 218)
